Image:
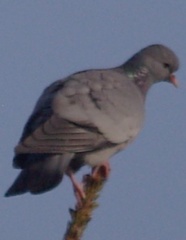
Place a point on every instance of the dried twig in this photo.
(80, 216)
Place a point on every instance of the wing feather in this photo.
(57, 135)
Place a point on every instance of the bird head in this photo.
(160, 61)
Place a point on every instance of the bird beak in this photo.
(173, 80)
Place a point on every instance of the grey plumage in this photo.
(86, 118)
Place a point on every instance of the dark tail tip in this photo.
(35, 182)
(13, 192)
(19, 186)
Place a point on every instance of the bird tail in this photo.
(39, 177)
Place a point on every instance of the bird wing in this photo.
(87, 110)
(57, 135)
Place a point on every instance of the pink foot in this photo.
(78, 189)
(102, 170)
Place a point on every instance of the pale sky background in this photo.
(42, 41)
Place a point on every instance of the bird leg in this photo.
(78, 188)
(102, 170)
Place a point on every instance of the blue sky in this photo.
(42, 41)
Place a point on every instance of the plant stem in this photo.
(81, 216)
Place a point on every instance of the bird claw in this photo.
(102, 171)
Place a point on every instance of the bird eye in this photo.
(166, 65)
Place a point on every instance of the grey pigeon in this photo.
(86, 118)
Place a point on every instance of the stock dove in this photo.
(87, 117)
